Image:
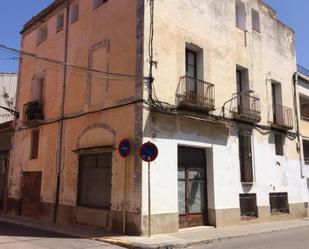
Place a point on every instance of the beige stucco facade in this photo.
(95, 93)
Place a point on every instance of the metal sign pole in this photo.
(149, 202)
(125, 197)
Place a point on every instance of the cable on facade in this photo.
(71, 66)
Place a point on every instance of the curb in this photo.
(178, 245)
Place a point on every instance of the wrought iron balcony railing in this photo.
(247, 108)
(282, 117)
(195, 94)
(34, 111)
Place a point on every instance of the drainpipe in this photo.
(295, 84)
(60, 134)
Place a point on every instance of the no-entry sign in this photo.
(148, 152)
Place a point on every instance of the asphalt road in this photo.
(288, 239)
(20, 237)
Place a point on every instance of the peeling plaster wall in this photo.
(105, 39)
(268, 55)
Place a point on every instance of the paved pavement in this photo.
(14, 236)
(296, 238)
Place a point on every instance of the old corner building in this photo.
(212, 83)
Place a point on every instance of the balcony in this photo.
(246, 107)
(33, 112)
(195, 94)
(282, 117)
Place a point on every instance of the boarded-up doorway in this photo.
(192, 187)
(31, 192)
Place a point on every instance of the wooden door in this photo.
(192, 191)
(3, 177)
(31, 195)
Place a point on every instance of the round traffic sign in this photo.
(124, 147)
(148, 152)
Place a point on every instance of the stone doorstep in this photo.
(182, 240)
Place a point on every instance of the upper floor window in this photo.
(74, 13)
(37, 88)
(35, 136)
(42, 34)
(60, 22)
(240, 15)
(97, 3)
(191, 64)
(256, 21)
(304, 107)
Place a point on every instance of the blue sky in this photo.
(16, 12)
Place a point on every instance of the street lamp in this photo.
(235, 97)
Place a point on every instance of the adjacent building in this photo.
(209, 82)
(302, 83)
(8, 82)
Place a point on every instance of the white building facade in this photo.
(222, 116)
(8, 84)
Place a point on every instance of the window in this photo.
(279, 144)
(98, 3)
(306, 151)
(37, 88)
(279, 203)
(42, 34)
(256, 21)
(248, 207)
(60, 22)
(94, 180)
(245, 156)
(240, 15)
(304, 107)
(35, 136)
(191, 64)
(74, 13)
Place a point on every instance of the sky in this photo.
(16, 12)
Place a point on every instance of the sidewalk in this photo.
(201, 235)
(182, 239)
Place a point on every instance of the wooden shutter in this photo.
(245, 156)
(35, 136)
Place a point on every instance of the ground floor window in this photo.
(306, 151)
(245, 155)
(248, 206)
(94, 179)
(279, 203)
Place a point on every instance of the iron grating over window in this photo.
(248, 206)
(279, 203)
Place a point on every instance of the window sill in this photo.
(247, 218)
(256, 31)
(59, 29)
(279, 214)
(40, 42)
(247, 183)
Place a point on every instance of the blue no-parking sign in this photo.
(124, 148)
(148, 152)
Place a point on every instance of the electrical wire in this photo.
(70, 66)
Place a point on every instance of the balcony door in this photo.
(192, 191)
(191, 73)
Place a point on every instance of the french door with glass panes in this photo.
(192, 192)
